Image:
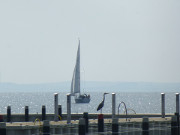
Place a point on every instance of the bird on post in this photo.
(100, 106)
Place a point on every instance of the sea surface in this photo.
(139, 102)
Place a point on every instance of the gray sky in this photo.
(121, 40)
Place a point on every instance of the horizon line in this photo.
(88, 81)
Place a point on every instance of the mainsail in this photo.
(75, 84)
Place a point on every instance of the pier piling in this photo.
(60, 111)
(85, 116)
(113, 105)
(46, 127)
(68, 108)
(177, 102)
(177, 116)
(26, 113)
(82, 127)
(145, 126)
(174, 125)
(43, 112)
(2, 128)
(1, 118)
(115, 126)
(55, 106)
(9, 114)
(100, 123)
(163, 105)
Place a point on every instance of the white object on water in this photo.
(75, 84)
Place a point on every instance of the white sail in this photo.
(75, 84)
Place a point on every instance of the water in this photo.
(140, 102)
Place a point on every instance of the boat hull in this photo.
(82, 99)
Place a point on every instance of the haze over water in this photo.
(131, 41)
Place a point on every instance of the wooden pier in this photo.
(133, 125)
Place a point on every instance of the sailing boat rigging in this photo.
(75, 84)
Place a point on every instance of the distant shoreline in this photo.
(93, 86)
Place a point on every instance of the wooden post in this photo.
(68, 108)
(26, 113)
(177, 102)
(1, 118)
(113, 105)
(55, 106)
(145, 126)
(46, 127)
(100, 123)
(82, 127)
(2, 128)
(43, 112)
(85, 116)
(163, 105)
(177, 116)
(9, 114)
(174, 125)
(60, 111)
(115, 126)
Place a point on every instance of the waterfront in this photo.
(140, 102)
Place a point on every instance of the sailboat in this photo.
(75, 84)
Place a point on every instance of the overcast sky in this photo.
(121, 40)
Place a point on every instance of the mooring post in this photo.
(100, 123)
(82, 127)
(68, 108)
(177, 102)
(163, 105)
(46, 127)
(145, 126)
(55, 106)
(177, 116)
(115, 126)
(60, 111)
(113, 105)
(43, 112)
(177, 111)
(86, 118)
(1, 118)
(26, 113)
(2, 128)
(174, 125)
(9, 114)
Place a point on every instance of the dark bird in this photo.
(100, 106)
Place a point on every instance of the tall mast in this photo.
(75, 84)
(79, 67)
